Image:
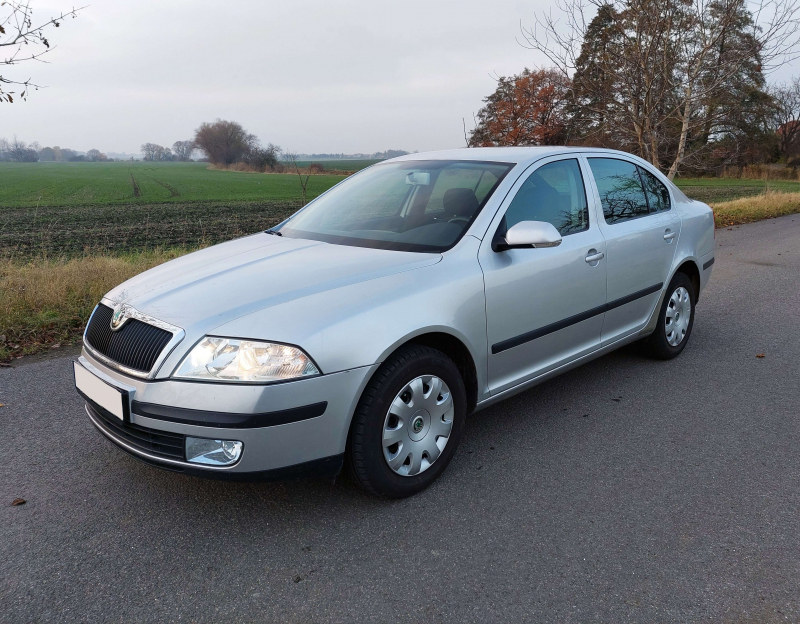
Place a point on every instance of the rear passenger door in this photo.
(641, 230)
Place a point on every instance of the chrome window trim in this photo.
(177, 335)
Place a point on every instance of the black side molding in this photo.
(572, 320)
(228, 420)
(634, 296)
(708, 264)
(547, 329)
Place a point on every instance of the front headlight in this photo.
(230, 359)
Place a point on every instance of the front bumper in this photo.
(287, 429)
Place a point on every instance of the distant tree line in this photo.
(681, 84)
(223, 143)
(19, 151)
(181, 151)
(341, 156)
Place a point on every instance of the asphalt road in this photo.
(624, 491)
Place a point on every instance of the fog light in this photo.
(213, 452)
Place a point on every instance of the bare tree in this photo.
(786, 98)
(183, 150)
(291, 159)
(23, 40)
(725, 46)
(20, 152)
(151, 151)
(224, 142)
(95, 155)
(667, 68)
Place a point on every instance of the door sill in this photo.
(554, 372)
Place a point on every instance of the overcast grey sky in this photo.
(308, 75)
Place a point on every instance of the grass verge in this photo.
(44, 303)
(749, 209)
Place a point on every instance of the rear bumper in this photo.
(287, 430)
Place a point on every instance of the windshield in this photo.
(413, 205)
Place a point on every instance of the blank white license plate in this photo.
(111, 398)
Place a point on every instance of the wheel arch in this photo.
(687, 266)
(692, 271)
(453, 346)
(457, 351)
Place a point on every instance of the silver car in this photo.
(366, 327)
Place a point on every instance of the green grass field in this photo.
(73, 209)
(712, 190)
(25, 185)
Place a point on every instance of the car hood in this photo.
(207, 288)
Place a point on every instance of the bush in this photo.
(261, 158)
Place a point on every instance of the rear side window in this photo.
(553, 193)
(621, 192)
(657, 193)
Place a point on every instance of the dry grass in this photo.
(761, 172)
(47, 302)
(749, 209)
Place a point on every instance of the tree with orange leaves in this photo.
(526, 109)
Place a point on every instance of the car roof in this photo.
(515, 155)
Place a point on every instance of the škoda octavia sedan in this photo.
(362, 331)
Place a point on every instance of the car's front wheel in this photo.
(408, 422)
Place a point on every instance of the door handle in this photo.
(669, 235)
(594, 256)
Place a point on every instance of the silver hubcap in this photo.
(679, 313)
(417, 426)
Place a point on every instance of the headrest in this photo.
(460, 202)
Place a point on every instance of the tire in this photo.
(395, 408)
(680, 296)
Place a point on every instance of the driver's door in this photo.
(544, 306)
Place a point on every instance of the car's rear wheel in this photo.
(675, 319)
(408, 422)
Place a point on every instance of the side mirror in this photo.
(534, 234)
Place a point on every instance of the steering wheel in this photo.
(458, 220)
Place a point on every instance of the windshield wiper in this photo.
(273, 232)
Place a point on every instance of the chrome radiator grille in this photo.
(135, 345)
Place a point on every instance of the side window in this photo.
(620, 187)
(553, 193)
(657, 193)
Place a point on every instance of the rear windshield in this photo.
(416, 205)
